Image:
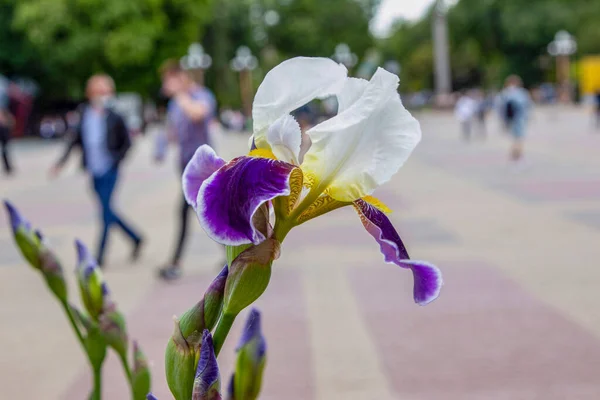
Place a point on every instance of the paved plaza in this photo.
(518, 316)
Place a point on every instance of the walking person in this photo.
(190, 112)
(515, 103)
(483, 106)
(6, 123)
(465, 110)
(104, 141)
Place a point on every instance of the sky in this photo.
(389, 10)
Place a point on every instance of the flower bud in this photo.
(93, 288)
(82, 319)
(205, 313)
(249, 276)
(35, 251)
(53, 273)
(140, 374)
(151, 397)
(113, 327)
(251, 359)
(207, 383)
(27, 241)
(180, 365)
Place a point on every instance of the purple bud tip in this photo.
(85, 261)
(82, 251)
(104, 287)
(208, 369)
(15, 217)
(231, 387)
(39, 235)
(224, 272)
(252, 331)
(151, 397)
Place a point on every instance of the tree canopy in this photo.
(490, 39)
(59, 43)
(68, 40)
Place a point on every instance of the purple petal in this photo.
(428, 280)
(207, 372)
(252, 331)
(16, 220)
(151, 397)
(228, 199)
(203, 164)
(427, 277)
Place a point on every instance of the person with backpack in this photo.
(103, 139)
(515, 103)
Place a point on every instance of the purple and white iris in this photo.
(302, 175)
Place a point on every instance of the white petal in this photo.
(351, 92)
(364, 146)
(285, 138)
(292, 84)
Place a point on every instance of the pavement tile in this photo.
(485, 334)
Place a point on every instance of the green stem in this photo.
(282, 228)
(222, 330)
(123, 358)
(97, 393)
(233, 251)
(74, 325)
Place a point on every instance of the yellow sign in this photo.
(589, 75)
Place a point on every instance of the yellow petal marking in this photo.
(262, 153)
(296, 180)
(378, 204)
(323, 204)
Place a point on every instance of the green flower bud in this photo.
(95, 346)
(53, 273)
(140, 374)
(180, 364)
(35, 251)
(249, 276)
(25, 238)
(93, 339)
(251, 359)
(205, 313)
(113, 327)
(93, 288)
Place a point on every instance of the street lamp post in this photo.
(562, 48)
(196, 61)
(244, 62)
(441, 59)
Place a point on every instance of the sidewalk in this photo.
(517, 318)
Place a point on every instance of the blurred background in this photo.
(50, 47)
(517, 241)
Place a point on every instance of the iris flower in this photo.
(296, 176)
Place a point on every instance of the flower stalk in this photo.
(103, 326)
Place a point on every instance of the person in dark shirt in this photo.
(104, 141)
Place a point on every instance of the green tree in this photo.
(490, 39)
(127, 39)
